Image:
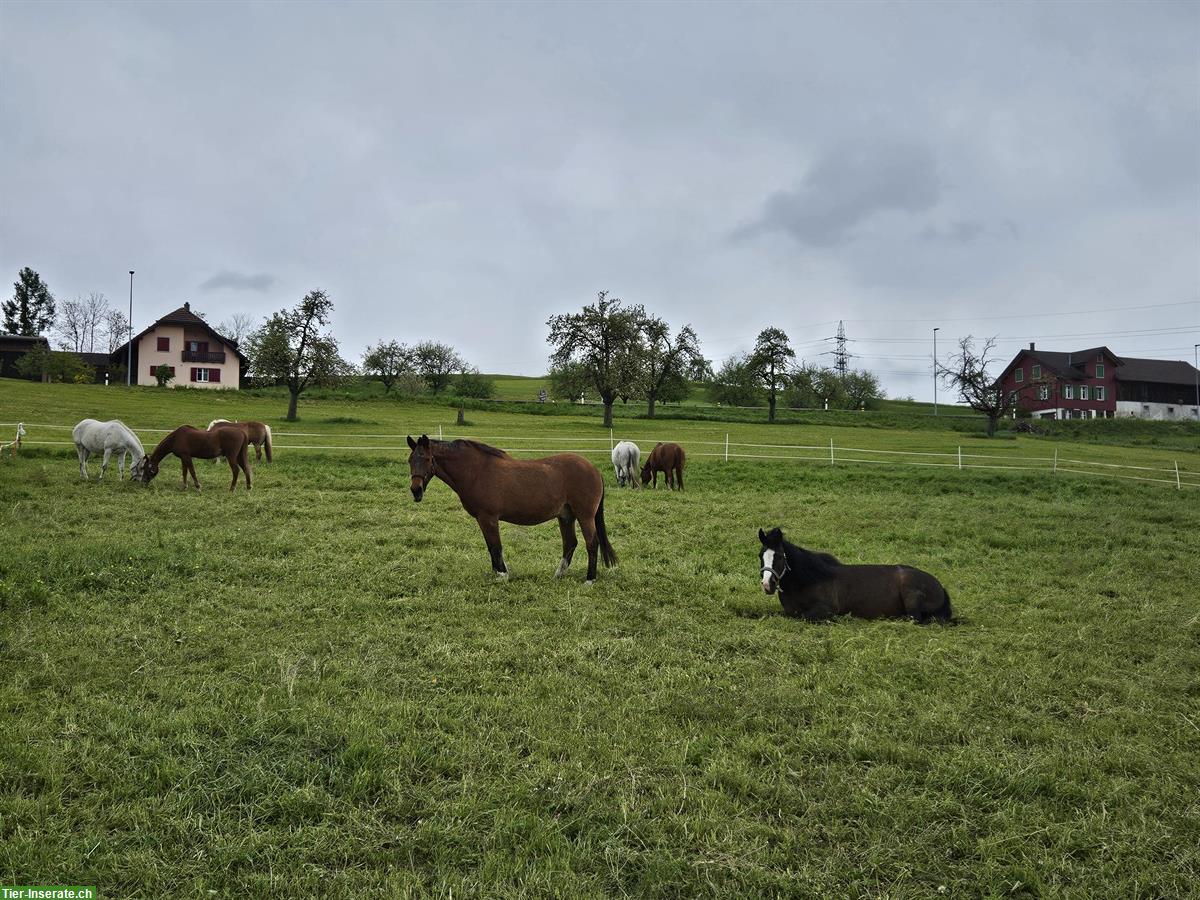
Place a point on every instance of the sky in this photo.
(462, 172)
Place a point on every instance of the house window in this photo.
(1068, 392)
(1012, 396)
(1099, 392)
(1019, 374)
(204, 376)
(164, 345)
(1083, 392)
(1035, 372)
(200, 375)
(1099, 370)
(1044, 392)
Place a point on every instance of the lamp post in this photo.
(935, 331)
(129, 346)
(1196, 368)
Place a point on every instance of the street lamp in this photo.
(935, 331)
(129, 347)
(1196, 367)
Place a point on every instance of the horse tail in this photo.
(267, 442)
(608, 554)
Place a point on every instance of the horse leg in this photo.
(258, 452)
(566, 524)
(121, 465)
(244, 462)
(189, 466)
(233, 467)
(679, 475)
(83, 457)
(104, 462)
(490, 526)
(592, 541)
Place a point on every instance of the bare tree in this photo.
(79, 321)
(968, 374)
(114, 330)
(237, 327)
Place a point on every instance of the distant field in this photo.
(316, 689)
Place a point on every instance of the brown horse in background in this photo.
(815, 586)
(257, 433)
(187, 443)
(668, 459)
(493, 487)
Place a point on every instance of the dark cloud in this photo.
(846, 187)
(239, 281)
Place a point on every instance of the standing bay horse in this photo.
(668, 459)
(493, 487)
(815, 586)
(187, 443)
(257, 433)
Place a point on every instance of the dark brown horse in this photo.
(493, 487)
(257, 433)
(668, 459)
(190, 443)
(816, 586)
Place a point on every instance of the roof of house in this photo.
(15, 340)
(1163, 371)
(1071, 366)
(186, 318)
(97, 360)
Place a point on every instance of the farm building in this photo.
(13, 347)
(197, 355)
(1096, 383)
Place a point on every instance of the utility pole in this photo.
(129, 347)
(840, 356)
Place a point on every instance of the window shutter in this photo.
(152, 368)
(214, 375)
(194, 373)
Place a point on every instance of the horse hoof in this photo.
(562, 569)
(501, 576)
(590, 582)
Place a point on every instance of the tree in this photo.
(237, 327)
(736, 384)
(861, 389)
(387, 361)
(666, 364)
(31, 310)
(605, 340)
(80, 320)
(804, 388)
(47, 365)
(291, 348)
(162, 374)
(569, 382)
(114, 330)
(770, 362)
(967, 373)
(470, 383)
(437, 363)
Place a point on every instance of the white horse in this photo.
(626, 457)
(93, 437)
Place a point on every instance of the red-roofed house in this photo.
(197, 355)
(1096, 383)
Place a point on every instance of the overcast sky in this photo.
(461, 172)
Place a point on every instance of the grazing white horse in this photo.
(626, 458)
(93, 437)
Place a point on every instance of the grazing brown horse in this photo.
(493, 487)
(668, 459)
(187, 443)
(257, 433)
(816, 586)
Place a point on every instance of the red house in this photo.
(1096, 383)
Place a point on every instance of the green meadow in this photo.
(317, 689)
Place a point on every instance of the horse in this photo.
(668, 459)
(187, 442)
(493, 487)
(626, 457)
(91, 436)
(257, 433)
(815, 586)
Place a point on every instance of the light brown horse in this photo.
(493, 487)
(668, 459)
(257, 433)
(187, 443)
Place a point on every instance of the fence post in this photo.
(831, 451)
(960, 459)
(727, 446)
(611, 445)
(439, 432)
(1178, 487)
(1056, 459)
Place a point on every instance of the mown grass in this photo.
(316, 688)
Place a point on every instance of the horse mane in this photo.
(810, 566)
(464, 443)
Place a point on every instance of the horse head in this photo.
(420, 465)
(773, 559)
(149, 469)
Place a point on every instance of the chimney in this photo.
(1031, 346)
(188, 306)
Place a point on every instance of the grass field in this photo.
(316, 689)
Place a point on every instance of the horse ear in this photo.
(411, 443)
(762, 537)
(423, 440)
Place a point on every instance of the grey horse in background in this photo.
(92, 437)
(626, 457)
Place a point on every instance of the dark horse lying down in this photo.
(493, 487)
(816, 586)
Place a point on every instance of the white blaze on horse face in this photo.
(768, 561)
